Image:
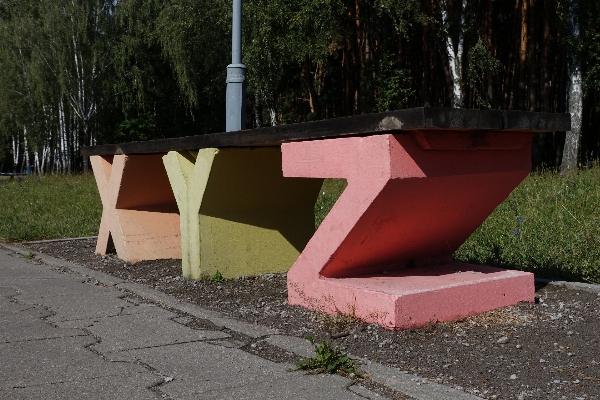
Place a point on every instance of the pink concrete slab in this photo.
(139, 211)
(411, 201)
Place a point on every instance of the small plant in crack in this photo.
(217, 277)
(29, 256)
(328, 360)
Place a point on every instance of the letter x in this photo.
(139, 211)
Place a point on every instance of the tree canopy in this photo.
(80, 72)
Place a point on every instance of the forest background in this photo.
(84, 72)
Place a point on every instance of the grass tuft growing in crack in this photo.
(328, 360)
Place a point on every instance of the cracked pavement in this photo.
(65, 336)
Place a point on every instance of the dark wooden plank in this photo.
(393, 121)
(538, 122)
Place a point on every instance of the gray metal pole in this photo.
(236, 76)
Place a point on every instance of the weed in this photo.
(29, 256)
(217, 277)
(328, 360)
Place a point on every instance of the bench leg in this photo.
(384, 252)
(139, 211)
(239, 216)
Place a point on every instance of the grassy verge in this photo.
(49, 207)
(549, 225)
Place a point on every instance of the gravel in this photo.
(546, 350)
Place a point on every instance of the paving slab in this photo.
(40, 362)
(107, 387)
(127, 347)
(30, 310)
(14, 267)
(13, 329)
(21, 322)
(132, 331)
(213, 372)
(96, 305)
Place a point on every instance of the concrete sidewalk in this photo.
(70, 332)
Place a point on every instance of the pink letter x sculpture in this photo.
(138, 207)
(384, 252)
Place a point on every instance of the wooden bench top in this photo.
(422, 118)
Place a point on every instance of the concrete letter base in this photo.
(139, 211)
(383, 253)
(239, 216)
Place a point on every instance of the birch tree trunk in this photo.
(455, 54)
(15, 151)
(25, 150)
(36, 162)
(575, 96)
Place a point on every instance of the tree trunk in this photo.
(257, 110)
(16, 152)
(313, 97)
(522, 91)
(25, 150)
(575, 99)
(573, 138)
(532, 58)
(454, 54)
(545, 67)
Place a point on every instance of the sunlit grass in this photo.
(49, 207)
(549, 225)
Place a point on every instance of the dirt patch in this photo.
(546, 350)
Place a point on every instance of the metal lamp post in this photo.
(236, 76)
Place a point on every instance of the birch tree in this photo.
(454, 51)
(575, 93)
(78, 55)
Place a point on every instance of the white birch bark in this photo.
(46, 152)
(25, 150)
(455, 54)
(273, 116)
(575, 97)
(36, 162)
(56, 163)
(16, 152)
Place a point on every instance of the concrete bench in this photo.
(420, 181)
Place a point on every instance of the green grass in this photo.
(330, 192)
(549, 225)
(50, 207)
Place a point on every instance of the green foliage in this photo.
(481, 65)
(217, 277)
(49, 207)
(328, 360)
(393, 86)
(29, 255)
